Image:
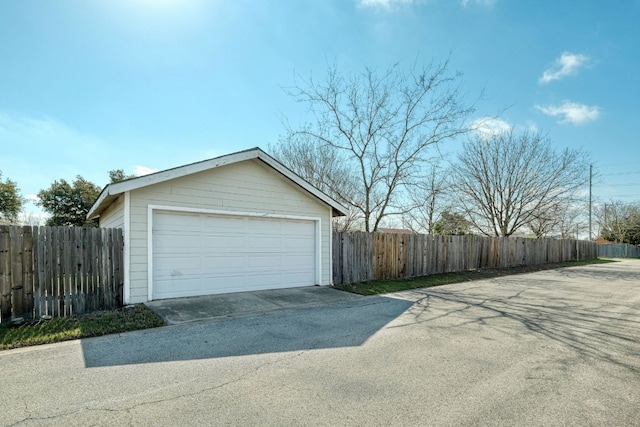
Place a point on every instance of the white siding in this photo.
(113, 216)
(248, 186)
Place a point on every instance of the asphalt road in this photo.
(558, 347)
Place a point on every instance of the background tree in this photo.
(452, 224)
(68, 204)
(506, 180)
(321, 166)
(620, 222)
(118, 175)
(381, 126)
(556, 219)
(10, 200)
(427, 200)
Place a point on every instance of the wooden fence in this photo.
(59, 271)
(360, 256)
(622, 250)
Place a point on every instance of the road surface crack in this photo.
(99, 408)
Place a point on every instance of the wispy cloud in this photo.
(487, 127)
(143, 170)
(53, 145)
(210, 154)
(568, 64)
(384, 4)
(39, 150)
(394, 4)
(466, 3)
(571, 112)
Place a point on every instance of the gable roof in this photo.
(112, 191)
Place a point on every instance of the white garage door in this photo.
(200, 254)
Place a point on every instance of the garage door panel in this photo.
(300, 261)
(177, 221)
(223, 262)
(167, 263)
(297, 278)
(175, 288)
(297, 246)
(197, 254)
(168, 243)
(223, 243)
(262, 244)
(296, 228)
(258, 261)
(215, 225)
(264, 226)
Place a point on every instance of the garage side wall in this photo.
(113, 216)
(248, 186)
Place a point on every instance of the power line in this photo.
(618, 164)
(631, 184)
(620, 173)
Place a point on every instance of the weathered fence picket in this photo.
(59, 271)
(620, 250)
(360, 256)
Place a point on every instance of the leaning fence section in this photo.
(622, 250)
(360, 256)
(59, 271)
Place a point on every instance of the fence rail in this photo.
(361, 256)
(622, 250)
(59, 271)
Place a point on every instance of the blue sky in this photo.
(90, 86)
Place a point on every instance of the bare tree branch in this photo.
(508, 180)
(383, 125)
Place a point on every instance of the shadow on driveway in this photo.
(596, 321)
(344, 324)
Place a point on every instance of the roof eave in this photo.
(111, 191)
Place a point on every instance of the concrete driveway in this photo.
(225, 306)
(558, 347)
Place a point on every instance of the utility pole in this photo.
(590, 187)
(577, 243)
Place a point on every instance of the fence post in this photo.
(27, 272)
(5, 278)
(16, 274)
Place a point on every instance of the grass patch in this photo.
(374, 287)
(58, 329)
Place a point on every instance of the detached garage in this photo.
(240, 222)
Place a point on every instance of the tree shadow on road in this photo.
(579, 318)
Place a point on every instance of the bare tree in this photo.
(507, 180)
(620, 221)
(323, 167)
(557, 220)
(427, 200)
(382, 125)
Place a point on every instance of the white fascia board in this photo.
(180, 171)
(158, 177)
(103, 195)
